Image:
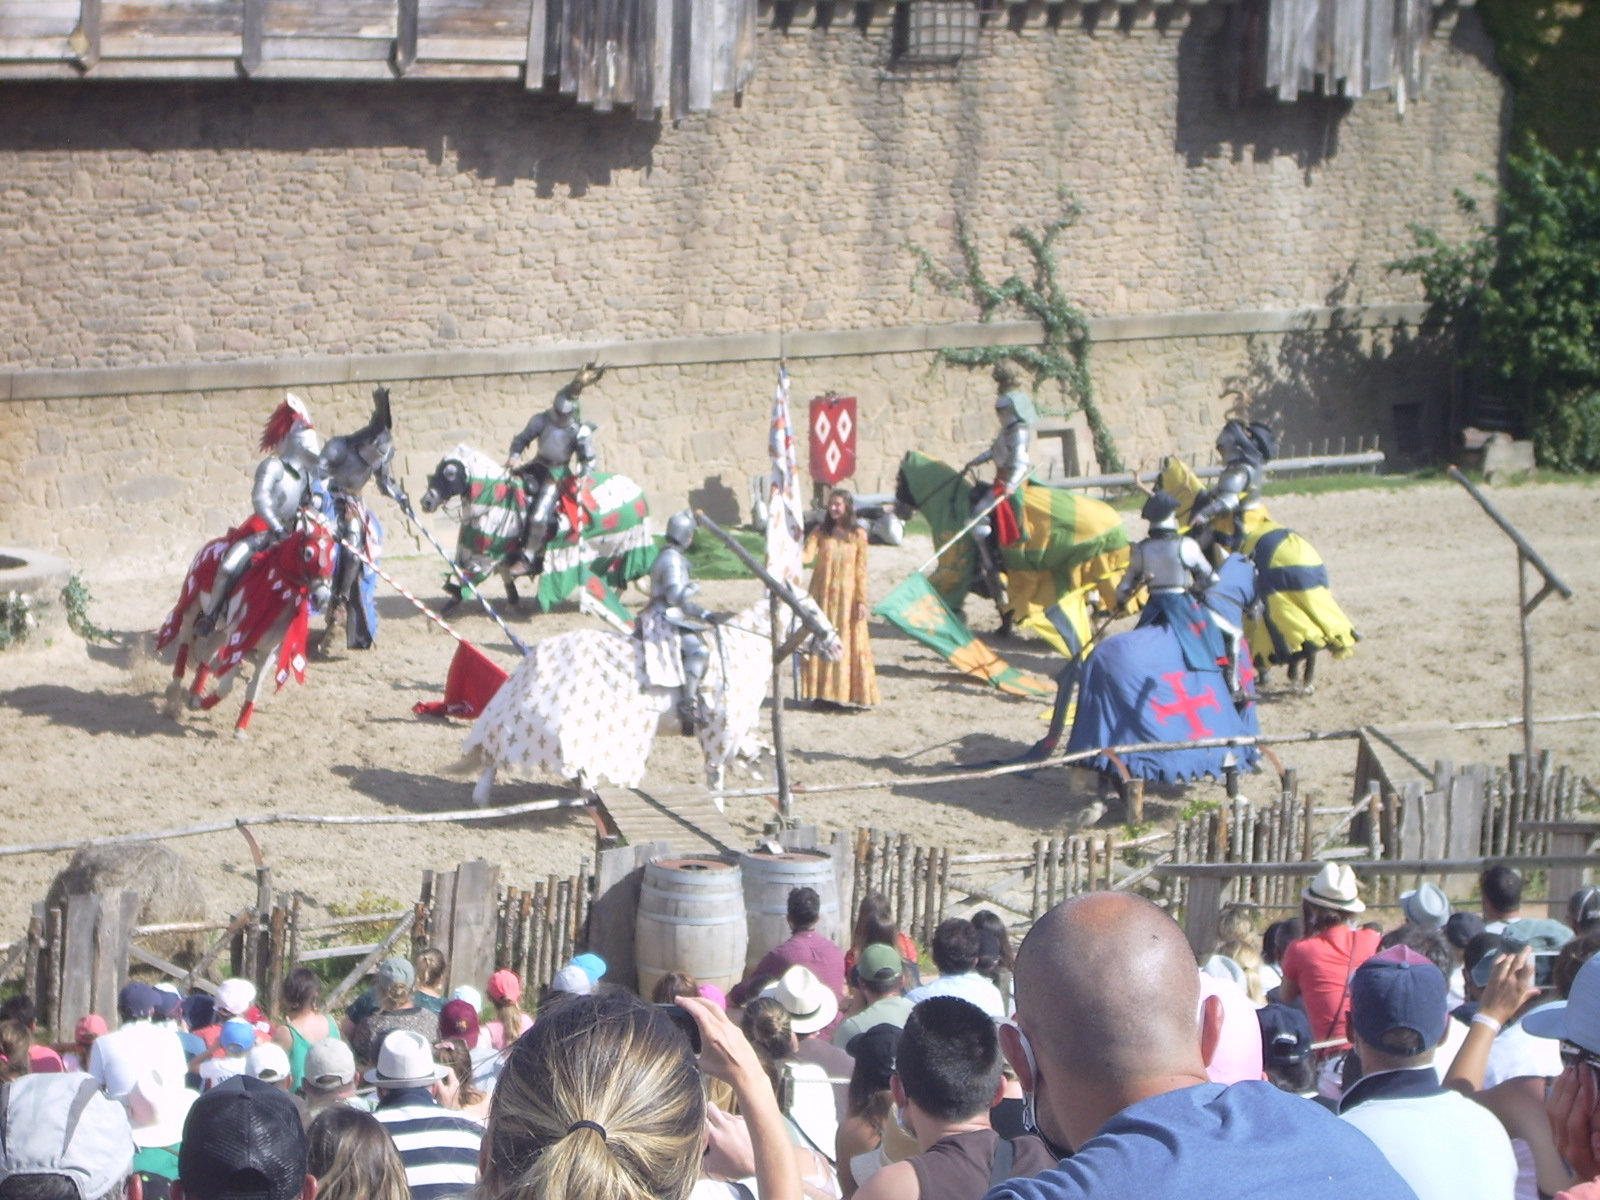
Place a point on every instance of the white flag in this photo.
(785, 516)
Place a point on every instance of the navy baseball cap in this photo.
(1285, 1035)
(1397, 988)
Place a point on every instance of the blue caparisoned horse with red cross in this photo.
(1136, 688)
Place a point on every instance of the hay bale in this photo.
(163, 880)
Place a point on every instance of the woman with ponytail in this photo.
(603, 1097)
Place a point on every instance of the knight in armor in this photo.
(1009, 452)
(282, 487)
(558, 435)
(348, 463)
(671, 600)
(1177, 575)
(1246, 449)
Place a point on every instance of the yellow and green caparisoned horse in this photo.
(1072, 547)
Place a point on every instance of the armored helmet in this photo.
(1161, 511)
(289, 434)
(1253, 443)
(1005, 377)
(563, 405)
(680, 529)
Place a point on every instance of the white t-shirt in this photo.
(1516, 1052)
(1445, 1146)
(969, 986)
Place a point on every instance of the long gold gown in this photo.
(839, 585)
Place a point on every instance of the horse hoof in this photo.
(239, 735)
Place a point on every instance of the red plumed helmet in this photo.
(289, 416)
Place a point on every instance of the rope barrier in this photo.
(535, 806)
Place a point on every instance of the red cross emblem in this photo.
(1186, 706)
(833, 438)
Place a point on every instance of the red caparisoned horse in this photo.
(267, 619)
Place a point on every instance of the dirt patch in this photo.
(1428, 580)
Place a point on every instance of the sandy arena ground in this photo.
(1428, 580)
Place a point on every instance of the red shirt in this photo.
(1320, 967)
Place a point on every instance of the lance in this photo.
(460, 575)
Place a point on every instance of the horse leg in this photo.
(480, 790)
(198, 699)
(1307, 686)
(263, 661)
(513, 596)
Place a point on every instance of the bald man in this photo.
(1105, 1046)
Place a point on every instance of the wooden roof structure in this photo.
(671, 57)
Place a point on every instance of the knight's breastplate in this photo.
(556, 444)
(1011, 450)
(1250, 493)
(669, 578)
(1163, 564)
(279, 490)
(345, 469)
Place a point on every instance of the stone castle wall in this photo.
(181, 252)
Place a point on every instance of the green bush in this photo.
(1523, 297)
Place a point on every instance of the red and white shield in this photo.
(833, 438)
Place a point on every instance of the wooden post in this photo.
(1523, 612)
(779, 747)
(1035, 911)
(1136, 801)
(30, 962)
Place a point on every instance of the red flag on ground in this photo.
(471, 684)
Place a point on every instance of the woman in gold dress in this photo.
(839, 585)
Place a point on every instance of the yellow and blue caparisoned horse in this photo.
(1299, 614)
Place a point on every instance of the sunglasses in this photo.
(1573, 1055)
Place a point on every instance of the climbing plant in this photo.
(1063, 356)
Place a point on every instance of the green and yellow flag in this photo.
(916, 608)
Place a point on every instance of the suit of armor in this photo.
(558, 436)
(1010, 454)
(671, 594)
(348, 463)
(282, 487)
(1238, 490)
(1166, 563)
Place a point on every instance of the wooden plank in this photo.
(693, 824)
(86, 37)
(172, 18)
(614, 910)
(405, 36)
(1566, 879)
(1411, 816)
(472, 50)
(78, 957)
(472, 928)
(160, 48)
(113, 935)
(538, 20)
(1202, 913)
(29, 49)
(334, 49)
(702, 52)
(254, 29)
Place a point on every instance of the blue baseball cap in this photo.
(1576, 1019)
(591, 965)
(1397, 988)
(1285, 1035)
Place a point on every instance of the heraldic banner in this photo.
(917, 609)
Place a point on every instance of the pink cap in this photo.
(1237, 1055)
(504, 987)
(711, 992)
(89, 1027)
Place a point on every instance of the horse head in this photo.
(448, 481)
(904, 502)
(306, 558)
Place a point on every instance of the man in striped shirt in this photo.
(438, 1147)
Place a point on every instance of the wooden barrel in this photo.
(767, 881)
(690, 919)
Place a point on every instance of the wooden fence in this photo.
(75, 958)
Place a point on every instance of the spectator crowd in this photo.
(1452, 1056)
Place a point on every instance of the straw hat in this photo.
(1335, 887)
